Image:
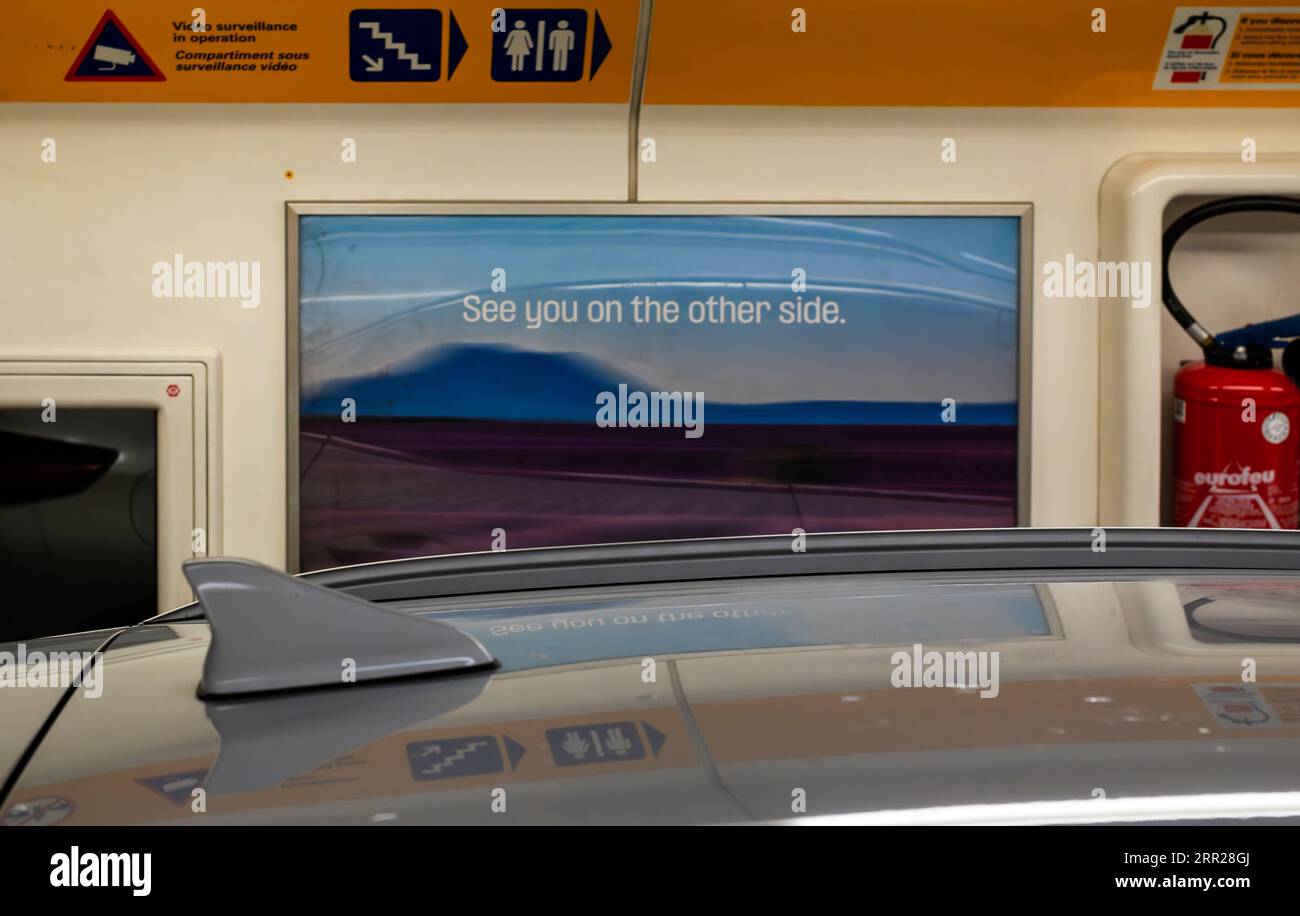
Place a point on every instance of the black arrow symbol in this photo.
(456, 46)
(657, 738)
(600, 45)
(514, 750)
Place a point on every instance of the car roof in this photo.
(1106, 683)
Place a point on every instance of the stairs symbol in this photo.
(456, 757)
(387, 38)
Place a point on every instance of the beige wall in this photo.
(1052, 158)
(135, 184)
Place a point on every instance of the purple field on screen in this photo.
(386, 488)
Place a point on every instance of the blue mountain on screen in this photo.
(490, 382)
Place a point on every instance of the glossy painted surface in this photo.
(28, 703)
(1106, 687)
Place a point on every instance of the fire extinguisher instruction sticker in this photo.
(1238, 705)
(1231, 48)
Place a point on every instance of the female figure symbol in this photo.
(518, 45)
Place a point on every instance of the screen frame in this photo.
(294, 210)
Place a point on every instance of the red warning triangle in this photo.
(111, 54)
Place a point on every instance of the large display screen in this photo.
(478, 381)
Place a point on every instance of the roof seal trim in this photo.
(1003, 549)
(958, 550)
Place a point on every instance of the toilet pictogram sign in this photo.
(546, 45)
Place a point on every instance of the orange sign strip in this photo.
(301, 51)
(380, 769)
(903, 53)
(897, 720)
(735, 731)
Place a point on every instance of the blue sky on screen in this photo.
(929, 304)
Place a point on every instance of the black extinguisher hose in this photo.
(1178, 229)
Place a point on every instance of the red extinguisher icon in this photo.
(1236, 418)
(1198, 34)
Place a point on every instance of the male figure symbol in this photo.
(561, 43)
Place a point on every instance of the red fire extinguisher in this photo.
(1236, 418)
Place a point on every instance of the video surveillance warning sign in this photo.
(112, 54)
